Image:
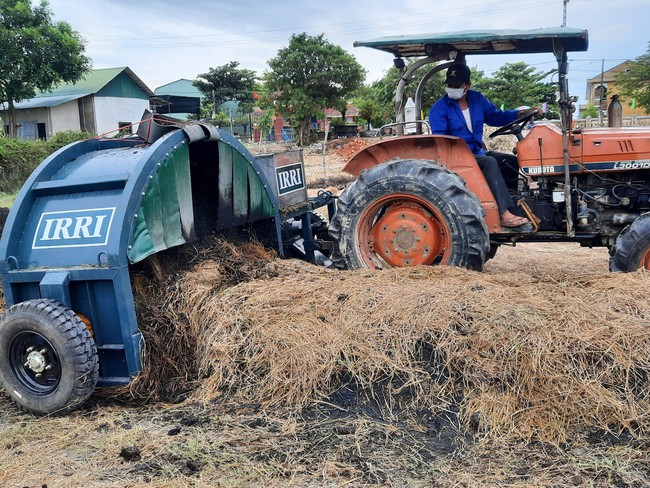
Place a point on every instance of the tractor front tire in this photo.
(407, 213)
(632, 249)
(49, 362)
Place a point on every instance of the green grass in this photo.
(7, 199)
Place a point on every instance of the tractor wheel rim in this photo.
(35, 363)
(403, 230)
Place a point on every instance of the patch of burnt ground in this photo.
(437, 432)
(347, 442)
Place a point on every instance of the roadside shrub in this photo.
(19, 158)
(66, 137)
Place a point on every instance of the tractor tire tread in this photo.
(631, 244)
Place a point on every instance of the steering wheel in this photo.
(515, 127)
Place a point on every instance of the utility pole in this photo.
(602, 94)
(564, 12)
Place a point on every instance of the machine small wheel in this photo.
(50, 363)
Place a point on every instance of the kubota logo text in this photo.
(73, 228)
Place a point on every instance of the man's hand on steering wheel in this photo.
(529, 110)
(515, 127)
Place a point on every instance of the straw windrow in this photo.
(523, 354)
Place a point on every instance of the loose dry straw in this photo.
(524, 354)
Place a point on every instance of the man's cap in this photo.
(457, 74)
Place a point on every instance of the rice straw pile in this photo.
(165, 289)
(523, 354)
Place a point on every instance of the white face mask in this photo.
(455, 93)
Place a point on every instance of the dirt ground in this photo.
(332, 443)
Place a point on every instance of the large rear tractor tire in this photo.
(632, 249)
(48, 359)
(406, 213)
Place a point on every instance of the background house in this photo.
(601, 87)
(105, 100)
(351, 116)
(177, 99)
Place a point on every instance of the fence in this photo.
(594, 122)
(243, 134)
(630, 121)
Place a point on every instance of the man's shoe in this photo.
(514, 221)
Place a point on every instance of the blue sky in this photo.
(164, 40)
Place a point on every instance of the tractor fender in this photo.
(448, 151)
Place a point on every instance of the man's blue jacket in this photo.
(447, 118)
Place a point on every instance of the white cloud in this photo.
(164, 40)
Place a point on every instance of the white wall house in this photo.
(101, 103)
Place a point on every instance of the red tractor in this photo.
(422, 199)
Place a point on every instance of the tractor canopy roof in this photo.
(490, 41)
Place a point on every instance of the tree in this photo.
(365, 102)
(206, 111)
(513, 85)
(589, 111)
(225, 83)
(265, 124)
(309, 75)
(635, 83)
(517, 84)
(381, 93)
(37, 53)
(368, 110)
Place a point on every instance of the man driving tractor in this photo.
(462, 112)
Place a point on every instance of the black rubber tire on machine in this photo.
(494, 247)
(318, 225)
(405, 213)
(632, 249)
(49, 362)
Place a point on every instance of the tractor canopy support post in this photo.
(420, 89)
(399, 92)
(565, 114)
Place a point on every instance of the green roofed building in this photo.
(104, 101)
(177, 99)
